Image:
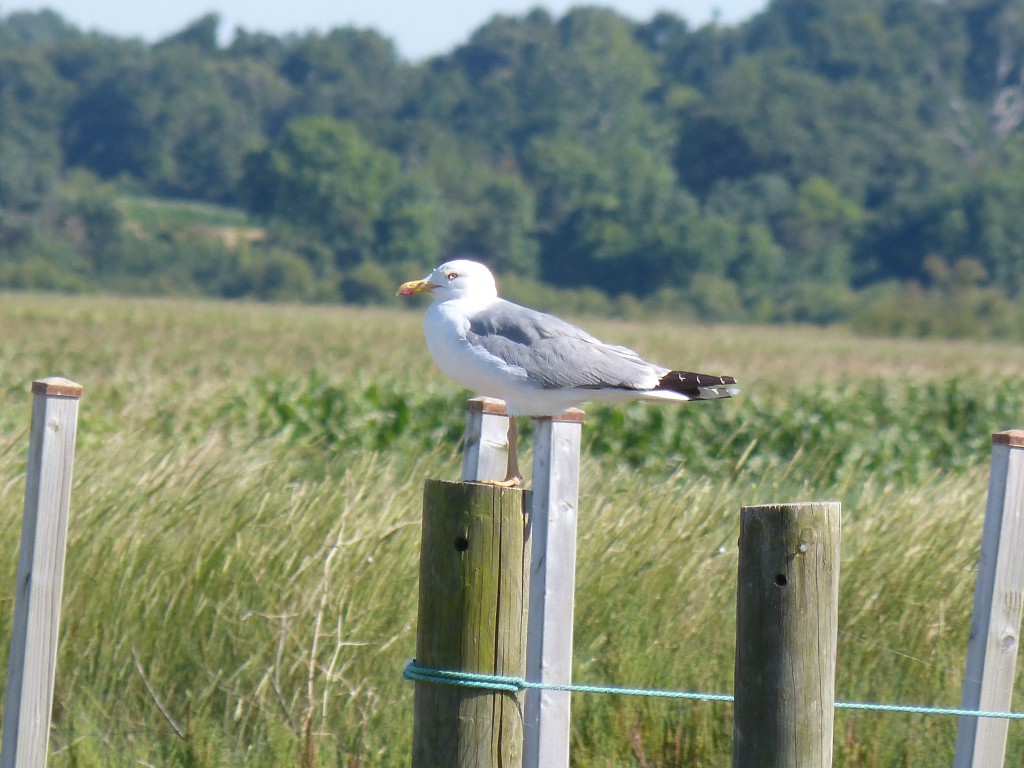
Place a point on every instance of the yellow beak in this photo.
(415, 288)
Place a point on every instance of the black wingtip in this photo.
(697, 386)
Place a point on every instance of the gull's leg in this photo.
(512, 476)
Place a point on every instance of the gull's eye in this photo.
(452, 275)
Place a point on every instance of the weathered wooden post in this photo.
(549, 551)
(40, 576)
(556, 471)
(472, 616)
(786, 627)
(995, 623)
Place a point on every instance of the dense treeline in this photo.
(826, 160)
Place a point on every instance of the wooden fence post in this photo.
(40, 576)
(786, 627)
(472, 616)
(556, 470)
(485, 450)
(995, 622)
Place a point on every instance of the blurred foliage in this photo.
(821, 162)
(833, 435)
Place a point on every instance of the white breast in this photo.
(445, 326)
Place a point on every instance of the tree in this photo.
(822, 145)
(204, 133)
(623, 228)
(324, 179)
(412, 225)
(977, 220)
(109, 126)
(200, 36)
(817, 233)
(585, 76)
(498, 226)
(34, 30)
(31, 100)
(349, 74)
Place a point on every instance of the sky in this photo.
(419, 28)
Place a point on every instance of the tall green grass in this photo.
(241, 571)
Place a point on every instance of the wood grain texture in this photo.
(55, 386)
(487, 405)
(1013, 438)
(472, 618)
(786, 627)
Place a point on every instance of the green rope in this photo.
(507, 684)
(414, 671)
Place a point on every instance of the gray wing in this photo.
(556, 354)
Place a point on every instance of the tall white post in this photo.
(485, 453)
(552, 531)
(32, 663)
(995, 623)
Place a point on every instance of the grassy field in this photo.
(153, 214)
(241, 572)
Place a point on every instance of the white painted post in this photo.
(552, 531)
(485, 453)
(995, 623)
(32, 662)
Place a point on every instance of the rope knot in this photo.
(504, 683)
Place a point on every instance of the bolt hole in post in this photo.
(461, 543)
(781, 580)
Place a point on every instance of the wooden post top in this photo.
(571, 416)
(493, 406)
(55, 386)
(486, 405)
(1013, 438)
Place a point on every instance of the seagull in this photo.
(539, 364)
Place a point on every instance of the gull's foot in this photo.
(508, 482)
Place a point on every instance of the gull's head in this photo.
(459, 279)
